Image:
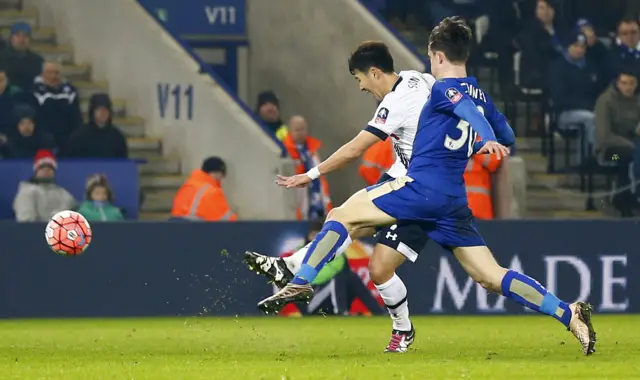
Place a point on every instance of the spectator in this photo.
(574, 85)
(540, 43)
(39, 198)
(315, 202)
(98, 204)
(99, 138)
(376, 161)
(488, 188)
(201, 197)
(9, 97)
(25, 140)
(21, 64)
(617, 119)
(57, 104)
(269, 113)
(597, 53)
(626, 50)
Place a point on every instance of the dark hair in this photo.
(371, 54)
(629, 19)
(453, 37)
(627, 70)
(98, 180)
(551, 3)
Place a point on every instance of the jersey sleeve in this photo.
(502, 129)
(390, 115)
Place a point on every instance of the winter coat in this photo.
(57, 110)
(19, 146)
(93, 141)
(40, 201)
(22, 67)
(102, 212)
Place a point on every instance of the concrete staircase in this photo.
(160, 176)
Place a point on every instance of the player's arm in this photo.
(504, 132)
(345, 154)
(389, 116)
(467, 110)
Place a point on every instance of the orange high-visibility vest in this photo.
(201, 198)
(376, 160)
(477, 179)
(313, 145)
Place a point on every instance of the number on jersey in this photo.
(467, 137)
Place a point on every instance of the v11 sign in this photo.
(200, 17)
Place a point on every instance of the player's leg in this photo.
(396, 244)
(480, 264)
(356, 213)
(280, 271)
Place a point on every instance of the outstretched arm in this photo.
(340, 158)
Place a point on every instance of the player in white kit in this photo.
(402, 97)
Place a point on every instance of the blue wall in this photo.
(138, 269)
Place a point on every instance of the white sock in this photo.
(394, 295)
(295, 261)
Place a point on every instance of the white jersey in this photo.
(398, 113)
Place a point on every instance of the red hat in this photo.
(44, 157)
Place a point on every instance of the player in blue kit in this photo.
(433, 194)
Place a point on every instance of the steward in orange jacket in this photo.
(315, 202)
(201, 197)
(376, 161)
(481, 180)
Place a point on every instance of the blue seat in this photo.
(72, 175)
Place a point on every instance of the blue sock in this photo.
(321, 251)
(528, 292)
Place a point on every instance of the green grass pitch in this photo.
(456, 347)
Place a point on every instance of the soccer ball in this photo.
(68, 233)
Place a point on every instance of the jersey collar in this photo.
(397, 83)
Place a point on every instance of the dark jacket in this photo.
(93, 141)
(538, 48)
(21, 66)
(57, 109)
(19, 146)
(622, 57)
(572, 87)
(600, 56)
(8, 100)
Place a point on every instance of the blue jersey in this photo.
(444, 142)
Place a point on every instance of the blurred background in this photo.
(159, 110)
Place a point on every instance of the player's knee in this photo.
(339, 214)
(490, 279)
(379, 272)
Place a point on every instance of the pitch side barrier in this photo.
(180, 98)
(185, 269)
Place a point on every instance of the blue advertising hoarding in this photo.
(166, 269)
(200, 17)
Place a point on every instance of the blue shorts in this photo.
(405, 237)
(445, 219)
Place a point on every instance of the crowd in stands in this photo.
(583, 57)
(41, 120)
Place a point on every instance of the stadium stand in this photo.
(556, 188)
(159, 176)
